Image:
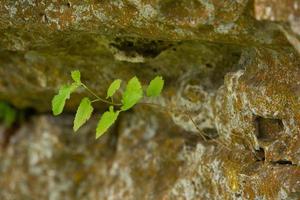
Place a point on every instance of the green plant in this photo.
(8, 114)
(132, 95)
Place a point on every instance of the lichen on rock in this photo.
(232, 77)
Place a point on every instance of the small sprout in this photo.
(106, 121)
(83, 113)
(114, 86)
(132, 95)
(76, 76)
(155, 87)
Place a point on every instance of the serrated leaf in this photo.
(83, 113)
(76, 76)
(155, 87)
(59, 100)
(114, 86)
(133, 93)
(107, 119)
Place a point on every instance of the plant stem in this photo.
(99, 98)
(190, 117)
(198, 129)
(185, 113)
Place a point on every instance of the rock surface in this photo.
(42, 41)
(282, 11)
(229, 64)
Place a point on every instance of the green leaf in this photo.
(83, 113)
(133, 93)
(59, 100)
(155, 87)
(7, 114)
(76, 76)
(107, 119)
(10, 117)
(114, 86)
(74, 86)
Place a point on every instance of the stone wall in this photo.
(233, 65)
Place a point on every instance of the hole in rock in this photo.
(268, 129)
(143, 47)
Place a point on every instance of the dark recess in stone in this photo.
(268, 129)
(283, 162)
(145, 48)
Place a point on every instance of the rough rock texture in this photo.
(155, 19)
(281, 11)
(286, 11)
(41, 41)
(229, 64)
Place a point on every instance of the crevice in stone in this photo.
(283, 162)
(260, 157)
(136, 47)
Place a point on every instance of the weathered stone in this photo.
(256, 114)
(266, 96)
(143, 162)
(28, 76)
(47, 161)
(229, 127)
(41, 41)
(281, 11)
(285, 11)
(164, 20)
